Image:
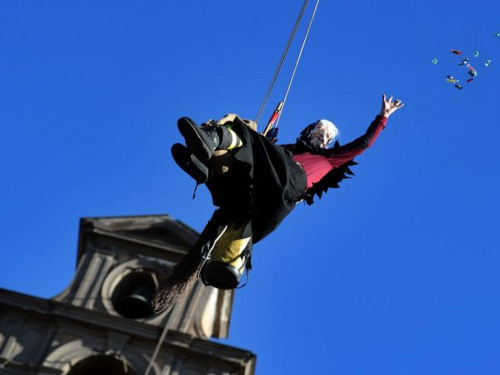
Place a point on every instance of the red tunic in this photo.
(317, 166)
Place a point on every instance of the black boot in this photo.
(190, 163)
(201, 141)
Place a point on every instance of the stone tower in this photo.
(102, 323)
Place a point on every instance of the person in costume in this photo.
(255, 184)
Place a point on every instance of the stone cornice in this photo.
(62, 312)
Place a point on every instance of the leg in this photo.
(203, 141)
(190, 163)
(229, 257)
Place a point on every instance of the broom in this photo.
(180, 281)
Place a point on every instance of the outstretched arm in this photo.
(350, 150)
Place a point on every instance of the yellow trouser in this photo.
(230, 246)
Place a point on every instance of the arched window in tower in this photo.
(132, 296)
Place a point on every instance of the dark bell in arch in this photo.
(137, 303)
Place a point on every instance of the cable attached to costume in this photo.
(272, 126)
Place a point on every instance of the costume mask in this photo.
(319, 134)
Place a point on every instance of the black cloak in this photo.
(262, 186)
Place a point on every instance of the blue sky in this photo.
(394, 273)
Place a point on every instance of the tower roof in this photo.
(158, 231)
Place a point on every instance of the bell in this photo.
(137, 304)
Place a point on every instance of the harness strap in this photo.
(248, 267)
(207, 248)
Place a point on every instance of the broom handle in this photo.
(273, 118)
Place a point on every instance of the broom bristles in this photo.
(177, 285)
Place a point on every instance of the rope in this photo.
(158, 346)
(297, 62)
(282, 59)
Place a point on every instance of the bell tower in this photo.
(102, 323)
